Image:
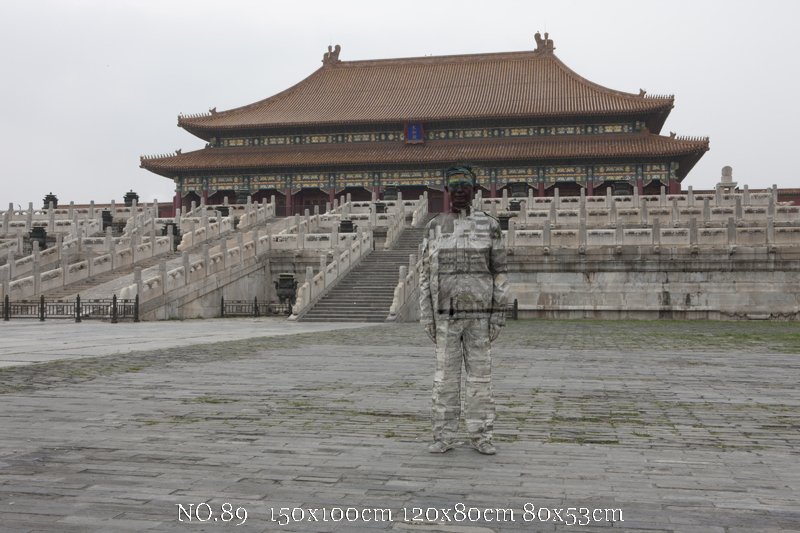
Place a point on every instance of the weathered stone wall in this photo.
(645, 282)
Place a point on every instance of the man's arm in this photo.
(499, 270)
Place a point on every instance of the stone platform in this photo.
(655, 426)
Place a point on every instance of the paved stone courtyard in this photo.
(634, 426)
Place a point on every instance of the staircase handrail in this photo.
(407, 286)
(315, 286)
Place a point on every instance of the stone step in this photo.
(366, 293)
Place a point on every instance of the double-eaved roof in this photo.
(523, 88)
(530, 84)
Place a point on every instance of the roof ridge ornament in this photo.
(544, 45)
(331, 57)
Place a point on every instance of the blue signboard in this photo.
(414, 133)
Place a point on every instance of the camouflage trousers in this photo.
(464, 340)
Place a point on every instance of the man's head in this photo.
(460, 183)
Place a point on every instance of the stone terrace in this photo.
(684, 426)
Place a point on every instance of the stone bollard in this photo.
(162, 273)
(37, 278)
(636, 197)
(656, 232)
(223, 248)
(254, 235)
(676, 213)
(746, 195)
(582, 234)
(137, 280)
(770, 230)
(643, 215)
(731, 231)
(771, 206)
(738, 213)
(113, 209)
(692, 231)
(12, 264)
(186, 266)
(510, 234)
(619, 236)
(612, 213)
(662, 197)
(718, 196)
(546, 235)
(690, 196)
(504, 200)
(609, 198)
(207, 259)
(706, 210)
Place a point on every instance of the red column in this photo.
(640, 187)
(376, 190)
(287, 193)
(493, 191)
(446, 201)
(205, 196)
(541, 190)
(590, 188)
(176, 203)
(674, 187)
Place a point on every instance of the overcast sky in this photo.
(90, 85)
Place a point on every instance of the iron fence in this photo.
(512, 310)
(230, 308)
(109, 309)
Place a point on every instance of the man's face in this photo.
(461, 192)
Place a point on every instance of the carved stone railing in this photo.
(407, 290)
(317, 285)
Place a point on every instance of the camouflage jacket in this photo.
(463, 269)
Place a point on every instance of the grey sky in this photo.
(90, 85)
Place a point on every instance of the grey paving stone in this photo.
(684, 426)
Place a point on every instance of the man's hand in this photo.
(494, 331)
(430, 329)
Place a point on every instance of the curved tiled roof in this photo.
(529, 84)
(502, 150)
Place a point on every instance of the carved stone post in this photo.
(162, 272)
(186, 266)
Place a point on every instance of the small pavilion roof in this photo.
(440, 152)
(527, 84)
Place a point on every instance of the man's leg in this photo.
(479, 403)
(446, 398)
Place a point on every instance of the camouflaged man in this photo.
(463, 293)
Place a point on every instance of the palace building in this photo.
(522, 120)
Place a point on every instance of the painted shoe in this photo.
(484, 446)
(439, 446)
